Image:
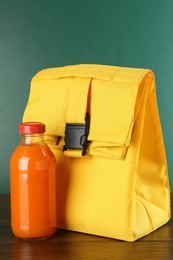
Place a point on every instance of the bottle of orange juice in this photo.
(33, 185)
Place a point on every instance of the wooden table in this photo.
(71, 245)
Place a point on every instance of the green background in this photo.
(37, 34)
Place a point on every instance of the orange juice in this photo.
(33, 186)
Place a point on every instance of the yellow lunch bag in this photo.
(103, 127)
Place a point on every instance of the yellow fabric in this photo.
(120, 189)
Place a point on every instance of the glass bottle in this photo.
(33, 185)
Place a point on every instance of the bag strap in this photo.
(77, 118)
(78, 100)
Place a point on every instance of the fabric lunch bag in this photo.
(103, 127)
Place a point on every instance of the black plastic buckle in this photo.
(76, 136)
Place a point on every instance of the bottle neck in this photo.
(27, 139)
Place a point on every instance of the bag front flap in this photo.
(110, 94)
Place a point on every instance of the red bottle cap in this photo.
(32, 128)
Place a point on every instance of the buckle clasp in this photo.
(76, 136)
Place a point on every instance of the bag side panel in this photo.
(152, 184)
